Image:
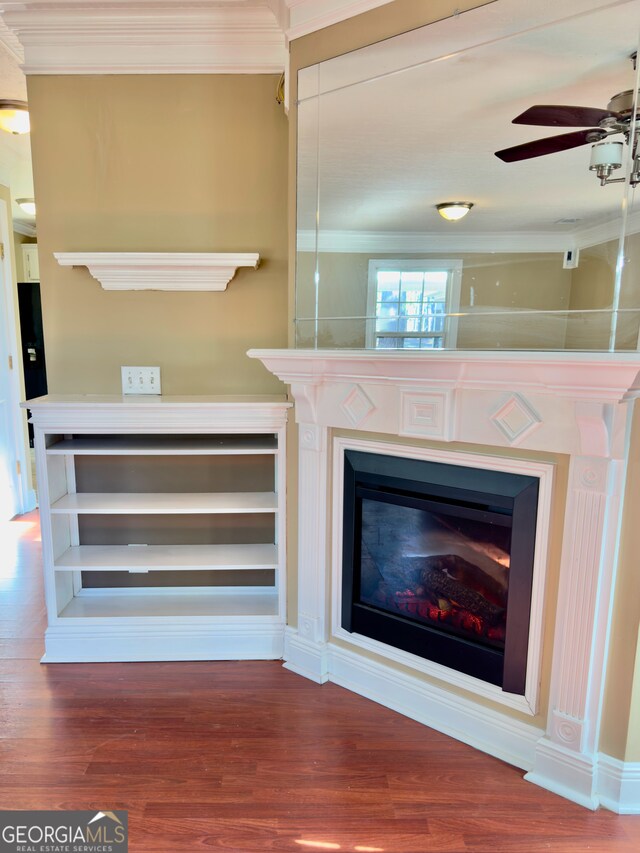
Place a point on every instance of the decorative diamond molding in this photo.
(357, 406)
(182, 271)
(516, 419)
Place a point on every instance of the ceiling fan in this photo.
(597, 124)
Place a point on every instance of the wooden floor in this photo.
(248, 757)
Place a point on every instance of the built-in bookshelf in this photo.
(163, 526)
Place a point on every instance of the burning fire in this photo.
(440, 610)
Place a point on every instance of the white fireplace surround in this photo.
(578, 404)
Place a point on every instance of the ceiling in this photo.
(393, 143)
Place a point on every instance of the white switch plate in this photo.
(141, 380)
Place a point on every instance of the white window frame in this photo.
(452, 303)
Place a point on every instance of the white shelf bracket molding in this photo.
(182, 271)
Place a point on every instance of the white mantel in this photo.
(576, 404)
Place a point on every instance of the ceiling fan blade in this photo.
(549, 145)
(561, 115)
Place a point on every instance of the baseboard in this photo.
(619, 784)
(484, 728)
(572, 775)
(304, 657)
(90, 644)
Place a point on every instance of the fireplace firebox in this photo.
(438, 561)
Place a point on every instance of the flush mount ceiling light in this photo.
(454, 210)
(14, 116)
(28, 205)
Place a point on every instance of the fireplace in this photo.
(561, 419)
(438, 561)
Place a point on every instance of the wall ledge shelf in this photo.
(181, 271)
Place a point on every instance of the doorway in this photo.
(16, 496)
(32, 342)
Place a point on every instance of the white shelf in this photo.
(164, 445)
(169, 503)
(122, 558)
(160, 270)
(149, 604)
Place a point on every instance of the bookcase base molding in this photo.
(243, 640)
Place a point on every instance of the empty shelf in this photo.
(166, 445)
(169, 503)
(169, 605)
(118, 558)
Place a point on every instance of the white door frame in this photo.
(25, 498)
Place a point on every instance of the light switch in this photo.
(141, 380)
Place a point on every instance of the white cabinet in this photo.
(30, 262)
(163, 527)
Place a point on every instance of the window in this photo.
(408, 302)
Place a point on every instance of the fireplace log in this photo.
(456, 579)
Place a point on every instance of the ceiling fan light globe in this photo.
(606, 154)
(453, 211)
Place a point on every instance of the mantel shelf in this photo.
(182, 271)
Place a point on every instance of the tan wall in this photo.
(621, 720)
(18, 241)
(171, 163)
(593, 287)
(508, 282)
(632, 752)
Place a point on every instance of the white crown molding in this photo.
(307, 16)
(182, 271)
(281, 13)
(148, 38)
(532, 241)
(387, 241)
(11, 43)
(27, 229)
(603, 232)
